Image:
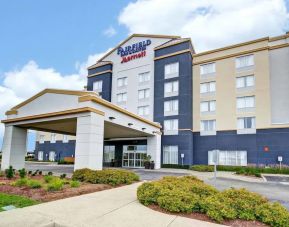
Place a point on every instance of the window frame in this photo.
(171, 150)
(168, 75)
(99, 89)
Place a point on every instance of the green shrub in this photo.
(175, 166)
(273, 214)
(50, 173)
(74, 184)
(48, 178)
(55, 185)
(2, 174)
(22, 173)
(62, 176)
(107, 176)
(202, 168)
(20, 182)
(9, 172)
(34, 184)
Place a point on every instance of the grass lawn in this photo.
(15, 200)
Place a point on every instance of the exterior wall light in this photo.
(130, 124)
(143, 129)
(111, 118)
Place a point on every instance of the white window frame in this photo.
(143, 110)
(65, 139)
(121, 82)
(108, 153)
(99, 84)
(208, 87)
(171, 88)
(144, 94)
(40, 155)
(244, 61)
(41, 138)
(243, 82)
(170, 154)
(144, 77)
(245, 102)
(171, 107)
(229, 158)
(51, 156)
(123, 98)
(208, 68)
(208, 127)
(171, 127)
(53, 138)
(208, 106)
(172, 70)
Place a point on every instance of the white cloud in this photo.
(210, 23)
(109, 32)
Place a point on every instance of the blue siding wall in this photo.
(172, 49)
(185, 138)
(61, 149)
(276, 139)
(100, 69)
(106, 84)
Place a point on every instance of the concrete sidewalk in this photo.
(115, 207)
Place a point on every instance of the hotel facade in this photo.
(233, 99)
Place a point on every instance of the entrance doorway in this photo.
(133, 156)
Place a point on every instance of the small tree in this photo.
(22, 173)
(9, 172)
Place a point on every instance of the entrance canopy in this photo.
(81, 113)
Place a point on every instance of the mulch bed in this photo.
(40, 194)
(204, 217)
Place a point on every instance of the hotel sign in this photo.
(134, 51)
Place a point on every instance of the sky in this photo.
(49, 44)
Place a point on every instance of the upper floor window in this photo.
(122, 97)
(53, 138)
(171, 107)
(208, 87)
(65, 138)
(171, 89)
(144, 93)
(97, 85)
(208, 106)
(246, 102)
(245, 81)
(208, 68)
(143, 110)
(245, 61)
(170, 155)
(144, 77)
(172, 70)
(246, 123)
(41, 138)
(171, 127)
(208, 125)
(122, 82)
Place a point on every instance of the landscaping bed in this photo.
(190, 197)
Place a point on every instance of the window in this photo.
(109, 154)
(122, 82)
(208, 68)
(144, 77)
(244, 61)
(208, 125)
(171, 127)
(121, 97)
(65, 138)
(172, 70)
(246, 123)
(171, 107)
(228, 158)
(171, 89)
(208, 106)
(170, 155)
(52, 156)
(53, 138)
(41, 138)
(144, 93)
(245, 81)
(97, 85)
(40, 155)
(246, 102)
(208, 87)
(143, 110)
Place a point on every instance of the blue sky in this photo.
(50, 43)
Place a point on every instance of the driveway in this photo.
(115, 207)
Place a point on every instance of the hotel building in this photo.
(233, 99)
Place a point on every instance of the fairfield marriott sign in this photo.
(134, 51)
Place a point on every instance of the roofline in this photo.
(14, 109)
(138, 35)
(173, 44)
(232, 46)
(279, 37)
(96, 66)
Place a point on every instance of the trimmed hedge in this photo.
(108, 176)
(175, 166)
(189, 194)
(202, 168)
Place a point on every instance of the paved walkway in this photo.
(116, 207)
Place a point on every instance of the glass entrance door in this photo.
(133, 156)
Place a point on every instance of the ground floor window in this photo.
(229, 158)
(52, 156)
(40, 155)
(170, 155)
(109, 153)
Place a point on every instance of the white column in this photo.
(14, 147)
(89, 142)
(154, 149)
